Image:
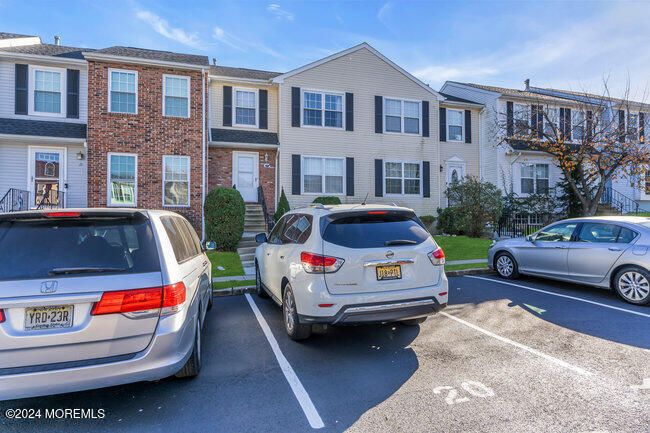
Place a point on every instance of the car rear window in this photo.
(375, 230)
(47, 248)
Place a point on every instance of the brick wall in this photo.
(148, 134)
(220, 171)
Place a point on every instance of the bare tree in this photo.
(593, 138)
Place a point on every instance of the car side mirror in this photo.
(260, 238)
(530, 238)
(209, 246)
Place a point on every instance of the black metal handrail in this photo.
(519, 225)
(267, 217)
(620, 201)
(15, 200)
(52, 199)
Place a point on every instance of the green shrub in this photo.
(283, 207)
(448, 221)
(327, 199)
(427, 220)
(224, 211)
(478, 204)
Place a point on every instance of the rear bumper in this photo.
(166, 354)
(379, 312)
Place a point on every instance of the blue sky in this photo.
(565, 44)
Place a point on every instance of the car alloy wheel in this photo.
(634, 286)
(289, 311)
(505, 266)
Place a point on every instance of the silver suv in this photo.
(98, 297)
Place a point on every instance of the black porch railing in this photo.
(520, 225)
(15, 200)
(50, 199)
(621, 202)
(267, 217)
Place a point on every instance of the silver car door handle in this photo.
(205, 263)
(615, 249)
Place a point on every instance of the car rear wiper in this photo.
(400, 242)
(62, 271)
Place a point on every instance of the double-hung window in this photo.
(455, 125)
(534, 178)
(176, 180)
(245, 107)
(579, 124)
(322, 109)
(403, 178)
(552, 122)
(402, 116)
(48, 85)
(122, 179)
(322, 175)
(176, 96)
(123, 91)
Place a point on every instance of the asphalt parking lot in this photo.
(527, 355)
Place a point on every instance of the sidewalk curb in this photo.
(462, 272)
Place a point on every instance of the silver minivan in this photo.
(98, 297)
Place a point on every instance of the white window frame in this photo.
(189, 94)
(109, 196)
(403, 194)
(534, 165)
(187, 157)
(110, 79)
(323, 192)
(462, 125)
(402, 100)
(63, 89)
(234, 107)
(322, 118)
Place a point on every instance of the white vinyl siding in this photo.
(402, 178)
(323, 175)
(176, 180)
(122, 179)
(402, 116)
(322, 109)
(176, 96)
(122, 91)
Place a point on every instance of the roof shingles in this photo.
(48, 50)
(243, 136)
(164, 56)
(42, 128)
(255, 74)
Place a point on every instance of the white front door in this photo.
(246, 174)
(455, 174)
(46, 176)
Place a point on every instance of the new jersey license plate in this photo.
(389, 272)
(59, 316)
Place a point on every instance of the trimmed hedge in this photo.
(224, 211)
(327, 199)
(449, 221)
(283, 207)
(427, 220)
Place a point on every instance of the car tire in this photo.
(210, 301)
(632, 284)
(258, 283)
(413, 322)
(506, 266)
(295, 330)
(193, 365)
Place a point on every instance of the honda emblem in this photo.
(49, 286)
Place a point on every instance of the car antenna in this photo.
(365, 199)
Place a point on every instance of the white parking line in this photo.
(299, 391)
(638, 313)
(519, 345)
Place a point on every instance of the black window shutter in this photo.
(379, 178)
(72, 103)
(621, 125)
(426, 179)
(264, 108)
(349, 176)
(20, 106)
(468, 126)
(562, 122)
(295, 174)
(642, 127)
(349, 111)
(590, 125)
(510, 118)
(443, 124)
(425, 118)
(295, 106)
(227, 106)
(567, 123)
(379, 112)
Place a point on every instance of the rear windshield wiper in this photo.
(62, 271)
(400, 242)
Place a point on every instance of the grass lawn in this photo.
(463, 248)
(466, 266)
(228, 260)
(227, 284)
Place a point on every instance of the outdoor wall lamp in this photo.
(80, 156)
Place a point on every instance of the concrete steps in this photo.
(253, 224)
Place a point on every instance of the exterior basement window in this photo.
(176, 96)
(176, 180)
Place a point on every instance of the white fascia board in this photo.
(460, 104)
(5, 55)
(237, 80)
(281, 78)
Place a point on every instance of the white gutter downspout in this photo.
(205, 168)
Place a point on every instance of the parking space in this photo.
(503, 357)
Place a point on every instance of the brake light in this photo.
(170, 298)
(437, 257)
(316, 263)
(61, 214)
(173, 298)
(377, 212)
(2, 316)
(325, 305)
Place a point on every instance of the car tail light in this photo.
(170, 298)
(61, 214)
(318, 264)
(2, 316)
(377, 212)
(437, 257)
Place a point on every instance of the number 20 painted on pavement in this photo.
(477, 389)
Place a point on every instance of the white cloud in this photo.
(244, 45)
(280, 13)
(162, 27)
